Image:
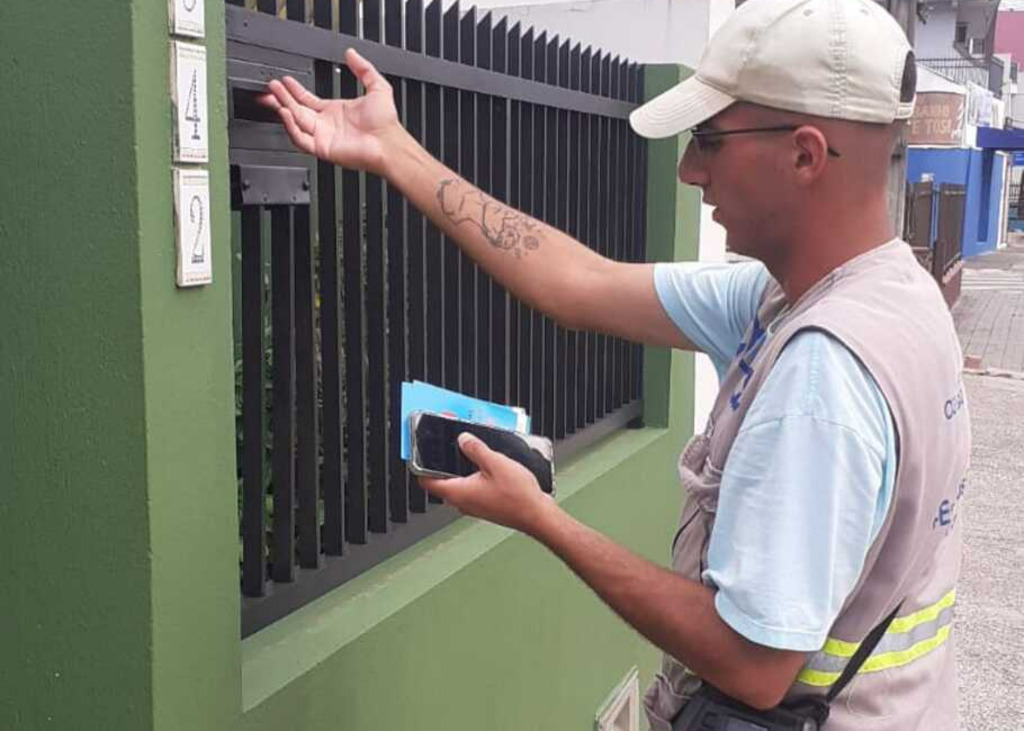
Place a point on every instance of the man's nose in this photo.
(691, 167)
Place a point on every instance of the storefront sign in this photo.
(938, 119)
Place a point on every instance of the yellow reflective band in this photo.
(900, 625)
(928, 614)
(902, 657)
(838, 648)
(817, 678)
(874, 664)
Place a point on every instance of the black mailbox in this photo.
(266, 168)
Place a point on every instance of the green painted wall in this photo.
(117, 496)
(73, 505)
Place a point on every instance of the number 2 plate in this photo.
(188, 77)
(192, 223)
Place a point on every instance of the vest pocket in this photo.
(663, 701)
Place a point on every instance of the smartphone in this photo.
(434, 448)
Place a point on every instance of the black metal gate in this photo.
(345, 291)
(918, 230)
(940, 254)
(948, 265)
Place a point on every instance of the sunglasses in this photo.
(706, 139)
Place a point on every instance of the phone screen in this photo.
(435, 440)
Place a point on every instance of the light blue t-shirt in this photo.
(808, 480)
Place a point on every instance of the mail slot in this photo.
(251, 125)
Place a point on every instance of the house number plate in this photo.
(192, 224)
(188, 76)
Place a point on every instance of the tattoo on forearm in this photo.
(502, 227)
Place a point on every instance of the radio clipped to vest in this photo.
(712, 710)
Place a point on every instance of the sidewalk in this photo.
(990, 596)
(990, 313)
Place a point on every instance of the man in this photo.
(822, 494)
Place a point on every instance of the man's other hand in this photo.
(502, 492)
(352, 133)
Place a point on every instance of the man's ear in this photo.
(811, 156)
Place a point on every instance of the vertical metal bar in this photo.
(371, 20)
(552, 183)
(595, 343)
(500, 188)
(418, 315)
(631, 214)
(296, 10)
(616, 180)
(307, 472)
(451, 255)
(630, 223)
(266, 6)
(322, 13)
(603, 344)
(549, 395)
(588, 161)
(376, 327)
(434, 254)
(561, 390)
(352, 251)
(331, 477)
(282, 257)
(574, 370)
(487, 344)
(642, 228)
(537, 354)
(254, 530)
(447, 38)
(641, 196)
(527, 180)
(627, 211)
(516, 179)
(468, 171)
(330, 320)
(398, 326)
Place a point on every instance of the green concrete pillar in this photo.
(118, 508)
(673, 225)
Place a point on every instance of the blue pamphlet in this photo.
(419, 396)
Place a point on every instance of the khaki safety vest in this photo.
(889, 312)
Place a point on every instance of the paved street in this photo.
(990, 600)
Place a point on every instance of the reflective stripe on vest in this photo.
(907, 639)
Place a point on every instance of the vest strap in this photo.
(862, 653)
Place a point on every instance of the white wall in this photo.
(934, 39)
(645, 31)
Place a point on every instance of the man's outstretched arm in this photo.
(542, 266)
(675, 614)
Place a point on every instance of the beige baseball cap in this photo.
(843, 59)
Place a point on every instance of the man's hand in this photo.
(502, 492)
(352, 133)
